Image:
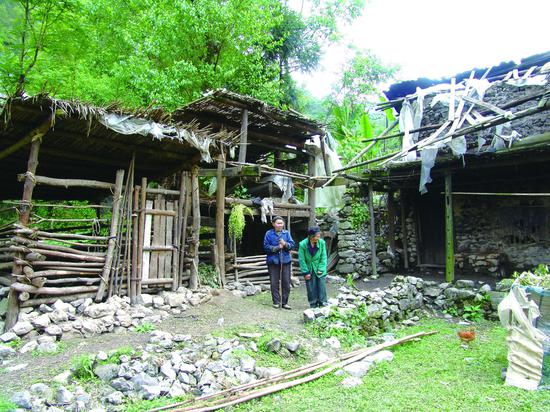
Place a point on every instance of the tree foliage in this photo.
(163, 52)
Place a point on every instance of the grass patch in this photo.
(61, 347)
(434, 373)
(83, 368)
(145, 327)
(15, 344)
(145, 405)
(265, 357)
(6, 404)
(351, 327)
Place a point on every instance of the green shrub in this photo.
(145, 327)
(208, 276)
(83, 368)
(359, 215)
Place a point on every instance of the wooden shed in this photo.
(115, 164)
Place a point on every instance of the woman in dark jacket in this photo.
(277, 245)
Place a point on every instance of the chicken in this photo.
(467, 336)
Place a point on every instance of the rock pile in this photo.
(245, 288)
(402, 301)
(169, 365)
(46, 324)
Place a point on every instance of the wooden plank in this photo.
(449, 233)
(147, 242)
(169, 241)
(141, 234)
(154, 263)
(162, 238)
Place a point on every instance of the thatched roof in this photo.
(268, 126)
(92, 142)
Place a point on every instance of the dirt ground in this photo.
(199, 321)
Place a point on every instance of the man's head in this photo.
(278, 223)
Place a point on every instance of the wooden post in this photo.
(135, 247)
(176, 273)
(112, 235)
(244, 138)
(196, 227)
(449, 233)
(372, 232)
(391, 221)
(404, 233)
(220, 220)
(324, 154)
(24, 218)
(141, 234)
(311, 192)
(186, 208)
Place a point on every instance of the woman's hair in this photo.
(275, 218)
(313, 230)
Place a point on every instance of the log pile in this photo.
(253, 268)
(45, 266)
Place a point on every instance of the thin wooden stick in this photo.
(112, 236)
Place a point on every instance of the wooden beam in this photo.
(244, 136)
(117, 197)
(34, 135)
(252, 170)
(449, 233)
(66, 183)
(220, 218)
(372, 232)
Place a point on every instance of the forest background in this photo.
(166, 53)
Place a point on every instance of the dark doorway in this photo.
(431, 213)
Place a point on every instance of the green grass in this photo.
(145, 327)
(61, 346)
(433, 374)
(6, 404)
(15, 344)
(145, 405)
(264, 357)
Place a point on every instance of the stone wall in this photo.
(353, 244)
(513, 236)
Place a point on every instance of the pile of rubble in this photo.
(41, 327)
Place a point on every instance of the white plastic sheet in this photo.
(525, 342)
(331, 196)
(127, 124)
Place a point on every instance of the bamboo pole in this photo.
(178, 225)
(39, 254)
(311, 193)
(112, 235)
(194, 247)
(46, 246)
(49, 235)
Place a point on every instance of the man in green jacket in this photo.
(312, 255)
